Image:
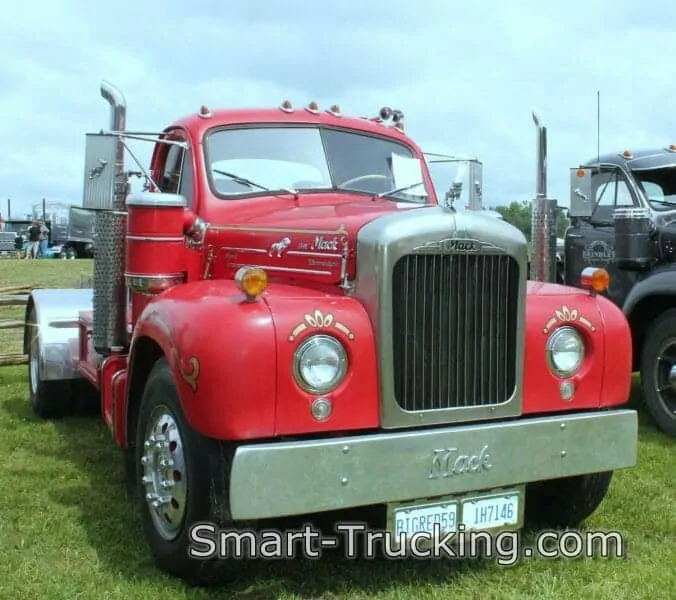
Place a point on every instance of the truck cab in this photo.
(287, 312)
(623, 219)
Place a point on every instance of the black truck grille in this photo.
(454, 330)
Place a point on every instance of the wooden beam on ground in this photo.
(13, 300)
(13, 359)
(11, 323)
(16, 288)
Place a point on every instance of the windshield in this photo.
(659, 186)
(254, 161)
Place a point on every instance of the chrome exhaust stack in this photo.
(543, 221)
(110, 291)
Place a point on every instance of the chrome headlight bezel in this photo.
(554, 339)
(311, 343)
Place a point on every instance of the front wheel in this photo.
(565, 503)
(183, 479)
(658, 372)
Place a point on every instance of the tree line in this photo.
(519, 214)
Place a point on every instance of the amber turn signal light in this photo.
(595, 279)
(252, 281)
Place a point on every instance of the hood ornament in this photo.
(453, 193)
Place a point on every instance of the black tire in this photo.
(200, 492)
(660, 396)
(48, 399)
(565, 503)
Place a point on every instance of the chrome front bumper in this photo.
(291, 478)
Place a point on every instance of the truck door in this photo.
(590, 240)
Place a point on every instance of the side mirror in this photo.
(581, 196)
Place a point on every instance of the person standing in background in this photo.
(44, 240)
(33, 240)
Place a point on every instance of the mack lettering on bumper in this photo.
(289, 478)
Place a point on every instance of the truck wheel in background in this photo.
(182, 480)
(48, 399)
(658, 371)
(565, 503)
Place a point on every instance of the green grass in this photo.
(68, 529)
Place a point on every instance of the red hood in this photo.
(303, 238)
(326, 212)
(539, 288)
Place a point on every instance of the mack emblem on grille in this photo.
(455, 245)
(448, 462)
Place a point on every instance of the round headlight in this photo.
(565, 351)
(320, 363)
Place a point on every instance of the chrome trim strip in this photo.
(282, 269)
(156, 200)
(251, 250)
(152, 238)
(308, 253)
(360, 470)
(153, 284)
(340, 231)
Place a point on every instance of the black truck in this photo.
(623, 218)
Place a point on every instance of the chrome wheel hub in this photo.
(164, 473)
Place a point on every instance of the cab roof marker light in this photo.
(335, 111)
(385, 113)
(312, 108)
(286, 106)
(204, 112)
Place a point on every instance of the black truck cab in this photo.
(623, 218)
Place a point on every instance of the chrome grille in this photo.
(454, 330)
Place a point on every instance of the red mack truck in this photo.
(286, 321)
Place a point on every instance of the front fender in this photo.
(300, 313)
(605, 376)
(57, 312)
(660, 282)
(221, 350)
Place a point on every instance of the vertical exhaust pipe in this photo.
(118, 122)
(543, 221)
(110, 291)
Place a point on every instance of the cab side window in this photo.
(611, 191)
(177, 174)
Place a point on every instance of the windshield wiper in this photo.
(244, 181)
(399, 189)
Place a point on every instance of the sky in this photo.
(466, 75)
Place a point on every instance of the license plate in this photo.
(491, 513)
(408, 520)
